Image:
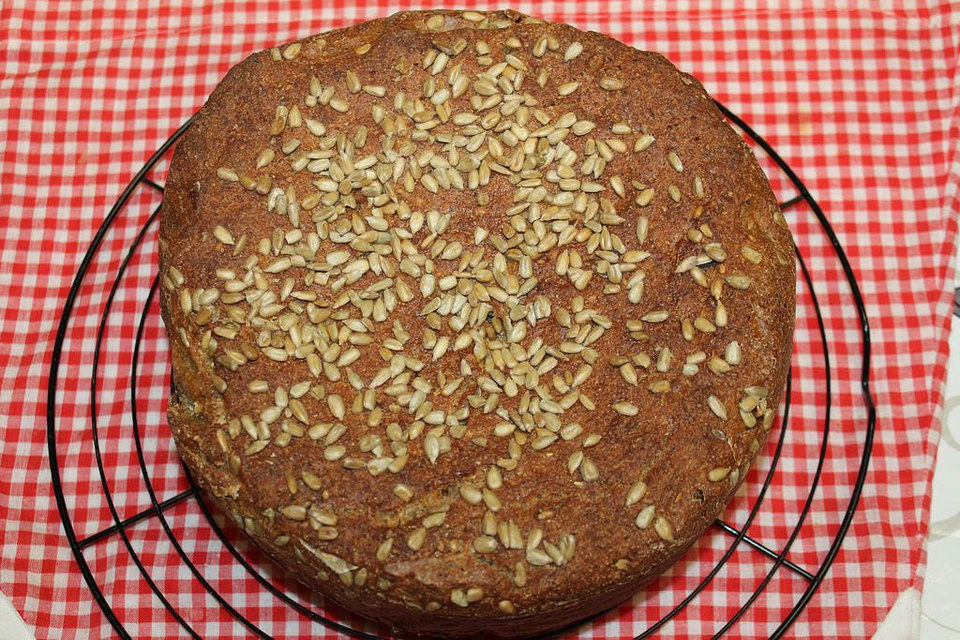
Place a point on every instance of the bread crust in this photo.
(651, 468)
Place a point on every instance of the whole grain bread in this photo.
(477, 321)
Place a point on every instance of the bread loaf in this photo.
(477, 321)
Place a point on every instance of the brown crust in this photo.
(673, 442)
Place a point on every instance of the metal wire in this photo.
(157, 508)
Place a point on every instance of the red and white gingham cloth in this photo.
(861, 101)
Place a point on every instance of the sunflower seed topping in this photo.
(663, 528)
(718, 474)
(626, 409)
(645, 516)
(674, 161)
(376, 334)
(611, 84)
(572, 51)
(716, 406)
(636, 493)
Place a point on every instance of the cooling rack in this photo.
(117, 474)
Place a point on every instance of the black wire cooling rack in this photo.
(810, 578)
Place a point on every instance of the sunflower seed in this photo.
(733, 353)
(291, 51)
(538, 558)
(336, 405)
(626, 409)
(572, 51)
(629, 373)
(471, 494)
(751, 254)
(645, 517)
(664, 529)
(674, 161)
(227, 174)
(718, 474)
(485, 544)
(636, 493)
(294, 512)
(416, 539)
(383, 551)
(589, 470)
(459, 598)
(643, 142)
(611, 84)
(656, 316)
(716, 406)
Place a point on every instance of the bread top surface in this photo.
(481, 314)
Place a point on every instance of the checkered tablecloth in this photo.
(860, 98)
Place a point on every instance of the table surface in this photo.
(940, 607)
(860, 97)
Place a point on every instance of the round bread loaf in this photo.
(477, 322)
